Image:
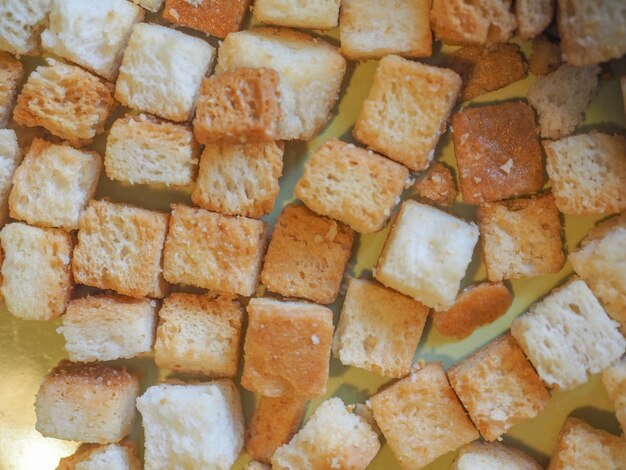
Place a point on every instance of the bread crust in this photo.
(86, 451)
(437, 186)
(11, 73)
(217, 17)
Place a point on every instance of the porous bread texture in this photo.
(311, 72)
(162, 70)
(545, 57)
(402, 27)
(11, 73)
(36, 274)
(406, 110)
(533, 17)
(311, 14)
(150, 5)
(614, 380)
(215, 17)
(333, 437)
(493, 456)
(192, 425)
(10, 158)
(568, 336)
(120, 456)
(379, 329)
(21, 21)
(437, 186)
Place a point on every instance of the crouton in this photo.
(121, 456)
(11, 73)
(150, 5)
(614, 380)
(533, 17)
(545, 57)
(493, 456)
(312, 14)
(10, 158)
(216, 17)
(437, 186)
(21, 21)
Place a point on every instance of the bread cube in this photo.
(162, 70)
(311, 14)
(307, 255)
(426, 254)
(533, 17)
(568, 336)
(146, 150)
(545, 57)
(493, 456)
(614, 380)
(119, 248)
(217, 17)
(421, 417)
(437, 186)
(521, 237)
(21, 21)
(87, 402)
(199, 335)
(588, 173)
(379, 329)
(355, 186)
(121, 456)
(333, 437)
(239, 179)
(311, 72)
(406, 110)
(11, 73)
(10, 158)
(108, 327)
(192, 425)
(36, 276)
(213, 251)
(150, 5)
(287, 348)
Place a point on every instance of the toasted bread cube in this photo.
(307, 255)
(533, 17)
(426, 254)
(120, 456)
(87, 402)
(614, 380)
(398, 118)
(36, 275)
(119, 248)
(306, 97)
(421, 417)
(311, 14)
(146, 150)
(333, 437)
(199, 335)
(162, 70)
(21, 21)
(287, 348)
(150, 5)
(353, 185)
(239, 179)
(379, 329)
(192, 426)
(213, 251)
(521, 237)
(545, 57)
(11, 73)
(588, 173)
(10, 158)
(437, 186)
(493, 456)
(568, 336)
(217, 17)
(238, 106)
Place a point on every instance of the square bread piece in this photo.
(498, 387)
(119, 248)
(379, 329)
(287, 348)
(121, 456)
(108, 327)
(53, 184)
(199, 335)
(533, 17)
(215, 17)
(521, 237)
(36, 275)
(239, 179)
(87, 402)
(333, 437)
(11, 73)
(307, 255)
(614, 380)
(66, 100)
(213, 251)
(10, 158)
(355, 186)
(406, 110)
(498, 152)
(21, 21)
(308, 14)
(421, 417)
(146, 150)
(162, 70)
(192, 425)
(311, 72)
(588, 173)
(437, 186)
(568, 336)
(493, 456)
(426, 254)
(402, 27)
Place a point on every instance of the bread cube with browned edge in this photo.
(437, 186)
(498, 387)
(119, 248)
(21, 21)
(11, 73)
(521, 237)
(162, 70)
(545, 57)
(90, 403)
(10, 158)
(214, 251)
(614, 380)
(307, 255)
(406, 110)
(306, 97)
(421, 417)
(533, 17)
(355, 186)
(493, 456)
(308, 14)
(66, 100)
(379, 329)
(287, 348)
(36, 273)
(120, 456)
(199, 335)
(426, 254)
(217, 17)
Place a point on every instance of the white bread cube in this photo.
(533, 16)
(426, 254)
(493, 456)
(312, 14)
(614, 380)
(121, 456)
(192, 426)
(10, 158)
(150, 5)
(21, 21)
(11, 73)
(162, 70)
